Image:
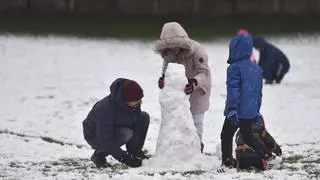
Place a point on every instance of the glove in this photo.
(188, 89)
(278, 151)
(264, 164)
(131, 160)
(266, 161)
(161, 82)
(233, 117)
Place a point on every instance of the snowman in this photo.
(178, 145)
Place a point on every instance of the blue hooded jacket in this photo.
(269, 56)
(107, 114)
(244, 79)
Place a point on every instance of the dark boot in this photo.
(140, 155)
(269, 82)
(201, 148)
(231, 163)
(99, 159)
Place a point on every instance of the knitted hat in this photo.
(132, 91)
(242, 31)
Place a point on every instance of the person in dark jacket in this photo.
(247, 158)
(244, 94)
(116, 120)
(272, 60)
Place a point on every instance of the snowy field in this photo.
(48, 85)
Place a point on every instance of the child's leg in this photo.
(198, 123)
(247, 135)
(227, 134)
(271, 143)
(99, 158)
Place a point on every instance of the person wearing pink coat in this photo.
(175, 46)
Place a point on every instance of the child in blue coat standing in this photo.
(244, 94)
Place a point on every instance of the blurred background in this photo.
(203, 19)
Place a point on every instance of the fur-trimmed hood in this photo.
(173, 36)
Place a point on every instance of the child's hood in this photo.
(240, 47)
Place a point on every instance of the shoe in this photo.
(228, 167)
(233, 163)
(140, 155)
(99, 159)
(268, 82)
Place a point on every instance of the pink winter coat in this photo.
(193, 58)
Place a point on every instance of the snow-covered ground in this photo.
(48, 85)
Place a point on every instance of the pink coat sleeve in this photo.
(202, 70)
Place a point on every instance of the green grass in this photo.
(293, 159)
(100, 25)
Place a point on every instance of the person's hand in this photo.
(278, 151)
(233, 117)
(161, 82)
(188, 89)
(264, 164)
(131, 160)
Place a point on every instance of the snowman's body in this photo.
(178, 145)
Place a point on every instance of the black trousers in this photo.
(136, 143)
(227, 133)
(278, 71)
(133, 138)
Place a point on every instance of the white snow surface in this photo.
(49, 84)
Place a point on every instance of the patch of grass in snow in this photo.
(44, 138)
(312, 170)
(301, 163)
(197, 172)
(186, 173)
(15, 165)
(293, 159)
(290, 168)
(67, 165)
(317, 161)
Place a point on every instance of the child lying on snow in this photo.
(247, 157)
